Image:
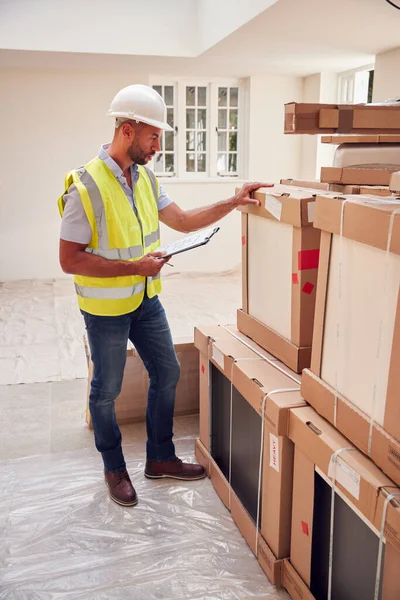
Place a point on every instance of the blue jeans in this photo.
(148, 329)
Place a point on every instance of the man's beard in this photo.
(137, 155)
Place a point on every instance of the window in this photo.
(356, 87)
(164, 162)
(206, 120)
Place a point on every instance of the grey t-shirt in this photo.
(75, 225)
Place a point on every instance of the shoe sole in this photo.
(121, 503)
(180, 478)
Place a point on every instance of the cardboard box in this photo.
(360, 176)
(394, 184)
(280, 251)
(365, 190)
(202, 456)
(356, 343)
(302, 183)
(243, 348)
(360, 489)
(239, 382)
(131, 404)
(293, 583)
(342, 118)
(360, 139)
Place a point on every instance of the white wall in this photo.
(387, 76)
(272, 155)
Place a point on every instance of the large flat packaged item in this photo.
(360, 139)
(304, 183)
(342, 118)
(131, 404)
(351, 155)
(365, 190)
(280, 254)
(354, 379)
(247, 404)
(394, 184)
(371, 175)
(345, 541)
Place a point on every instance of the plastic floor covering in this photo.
(62, 538)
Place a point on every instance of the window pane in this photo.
(222, 96)
(169, 140)
(221, 163)
(233, 119)
(170, 116)
(233, 142)
(159, 163)
(233, 96)
(169, 163)
(201, 96)
(169, 95)
(162, 142)
(222, 119)
(190, 137)
(201, 162)
(222, 141)
(158, 89)
(190, 163)
(201, 141)
(202, 118)
(190, 98)
(233, 163)
(190, 118)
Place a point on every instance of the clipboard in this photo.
(193, 240)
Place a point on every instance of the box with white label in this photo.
(329, 469)
(245, 382)
(354, 379)
(280, 256)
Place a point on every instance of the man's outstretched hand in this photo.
(243, 198)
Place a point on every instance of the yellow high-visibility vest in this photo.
(117, 234)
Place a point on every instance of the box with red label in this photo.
(345, 508)
(354, 379)
(250, 461)
(280, 256)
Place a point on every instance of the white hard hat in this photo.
(140, 103)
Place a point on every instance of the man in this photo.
(109, 236)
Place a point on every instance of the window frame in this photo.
(212, 85)
(349, 78)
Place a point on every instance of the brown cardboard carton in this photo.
(360, 176)
(293, 583)
(280, 251)
(254, 378)
(203, 456)
(131, 404)
(394, 184)
(360, 139)
(344, 189)
(342, 118)
(354, 380)
(361, 487)
(302, 183)
(365, 190)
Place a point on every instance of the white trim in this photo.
(188, 179)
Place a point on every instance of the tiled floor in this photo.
(41, 327)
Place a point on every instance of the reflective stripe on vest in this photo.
(152, 237)
(153, 182)
(118, 253)
(97, 204)
(109, 293)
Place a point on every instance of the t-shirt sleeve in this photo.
(75, 226)
(163, 199)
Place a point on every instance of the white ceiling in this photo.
(298, 37)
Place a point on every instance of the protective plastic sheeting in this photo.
(62, 538)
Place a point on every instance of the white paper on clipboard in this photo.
(189, 242)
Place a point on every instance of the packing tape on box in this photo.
(333, 462)
(388, 500)
(273, 363)
(260, 464)
(376, 201)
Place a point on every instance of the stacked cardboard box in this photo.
(280, 256)
(345, 540)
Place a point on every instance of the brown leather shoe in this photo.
(173, 469)
(120, 488)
